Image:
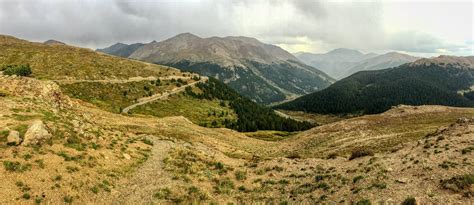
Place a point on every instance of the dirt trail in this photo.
(159, 96)
(134, 79)
(147, 179)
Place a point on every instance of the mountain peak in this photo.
(53, 42)
(445, 60)
(187, 35)
(345, 51)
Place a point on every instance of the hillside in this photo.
(264, 73)
(116, 84)
(120, 49)
(340, 63)
(60, 62)
(437, 81)
(388, 60)
(86, 155)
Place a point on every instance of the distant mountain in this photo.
(445, 80)
(341, 62)
(335, 63)
(120, 49)
(388, 60)
(53, 42)
(264, 73)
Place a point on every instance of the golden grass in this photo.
(66, 62)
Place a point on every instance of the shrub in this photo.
(219, 166)
(240, 175)
(38, 200)
(360, 153)
(409, 201)
(26, 196)
(224, 186)
(323, 186)
(162, 194)
(196, 193)
(147, 141)
(332, 156)
(364, 202)
(68, 199)
(458, 183)
(356, 179)
(294, 156)
(19, 70)
(15, 166)
(95, 189)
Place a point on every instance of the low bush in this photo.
(19, 70)
(458, 183)
(16, 166)
(360, 153)
(409, 201)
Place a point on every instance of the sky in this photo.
(417, 27)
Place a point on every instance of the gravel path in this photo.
(148, 178)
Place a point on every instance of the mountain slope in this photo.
(120, 49)
(336, 62)
(264, 73)
(443, 81)
(341, 62)
(53, 42)
(388, 60)
(57, 62)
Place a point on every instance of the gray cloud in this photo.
(321, 24)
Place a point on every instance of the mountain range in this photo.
(444, 80)
(342, 62)
(265, 73)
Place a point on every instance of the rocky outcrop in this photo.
(13, 138)
(45, 91)
(36, 134)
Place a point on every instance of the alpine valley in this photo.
(262, 72)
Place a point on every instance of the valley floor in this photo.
(408, 153)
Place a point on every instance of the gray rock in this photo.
(13, 138)
(463, 120)
(36, 134)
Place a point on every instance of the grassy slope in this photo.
(379, 133)
(62, 61)
(199, 111)
(114, 96)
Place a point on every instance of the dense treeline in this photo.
(251, 116)
(370, 92)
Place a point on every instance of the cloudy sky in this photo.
(420, 27)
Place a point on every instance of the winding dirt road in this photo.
(160, 96)
(135, 79)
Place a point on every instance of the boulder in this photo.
(13, 138)
(36, 134)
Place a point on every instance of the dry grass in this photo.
(63, 62)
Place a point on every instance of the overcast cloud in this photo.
(420, 28)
